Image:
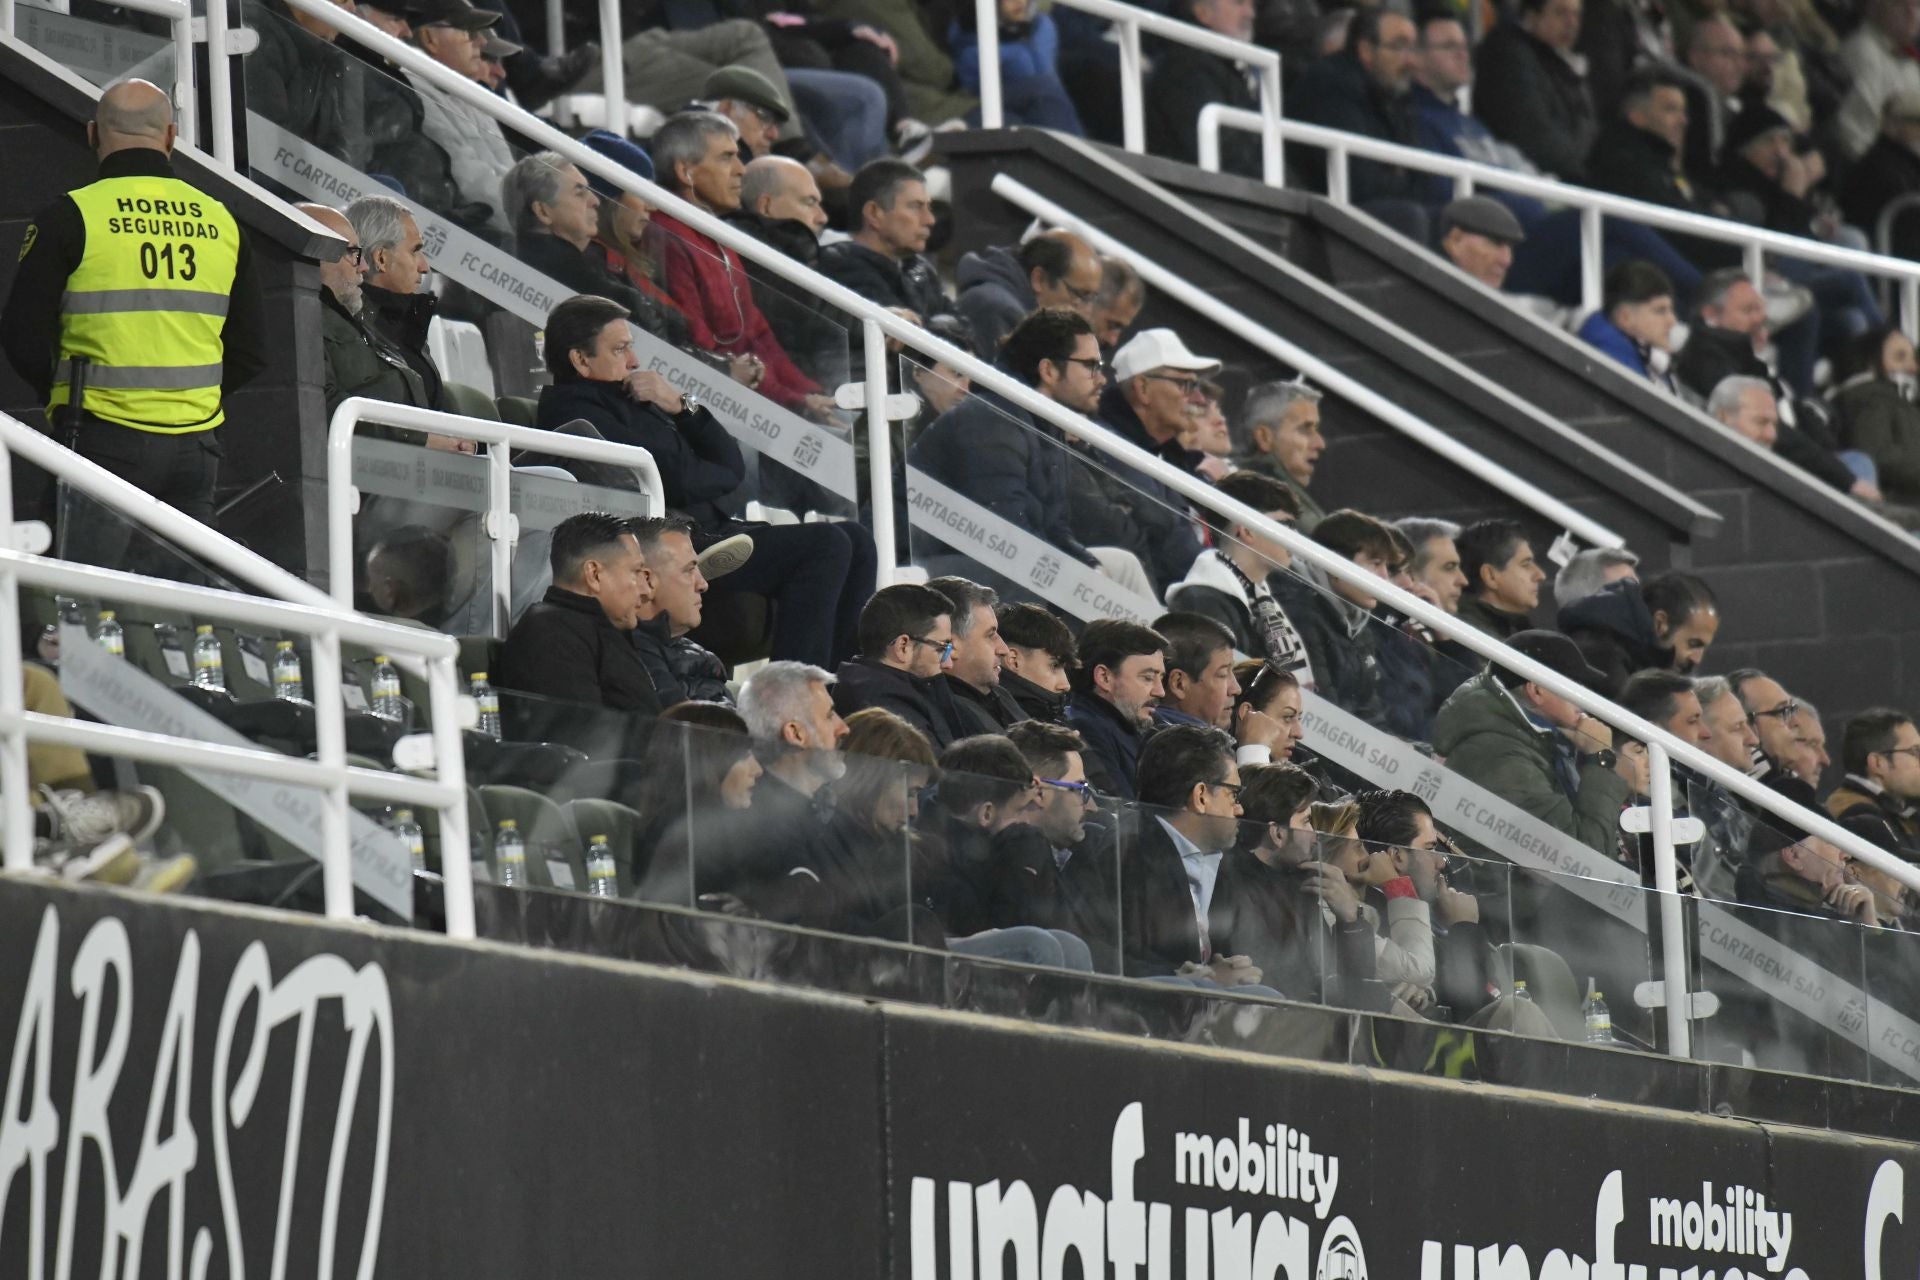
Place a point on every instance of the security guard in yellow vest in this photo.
(133, 312)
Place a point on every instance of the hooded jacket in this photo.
(1531, 95)
(927, 705)
(1341, 640)
(1038, 703)
(995, 294)
(1113, 743)
(1335, 91)
(1212, 589)
(1880, 422)
(993, 452)
(1116, 506)
(699, 462)
(1856, 801)
(1614, 629)
(1486, 738)
(566, 648)
(994, 711)
(402, 320)
(815, 334)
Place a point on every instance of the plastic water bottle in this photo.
(387, 703)
(1520, 991)
(411, 836)
(109, 635)
(287, 685)
(1599, 1020)
(509, 854)
(603, 877)
(489, 700)
(209, 667)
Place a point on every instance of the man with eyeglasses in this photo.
(996, 454)
(1000, 284)
(906, 642)
(1363, 89)
(358, 361)
(1772, 709)
(1069, 889)
(1156, 389)
(1170, 853)
(1880, 752)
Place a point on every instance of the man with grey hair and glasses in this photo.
(1281, 428)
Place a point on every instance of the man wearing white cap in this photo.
(1156, 388)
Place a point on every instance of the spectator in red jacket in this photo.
(697, 155)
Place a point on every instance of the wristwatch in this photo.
(689, 402)
(1605, 758)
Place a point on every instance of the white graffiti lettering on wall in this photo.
(32, 1126)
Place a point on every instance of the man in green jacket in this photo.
(358, 361)
(1535, 749)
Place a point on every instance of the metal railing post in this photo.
(1208, 147)
(987, 25)
(1273, 167)
(219, 82)
(613, 68)
(1753, 261)
(1910, 306)
(186, 109)
(879, 451)
(503, 529)
(1337, 178)
(1593, 259)
(16, 795)
(1133, 109)
(456, 865)
(330, 734)
(1673, 928)
(1462, 187)
(556, 27)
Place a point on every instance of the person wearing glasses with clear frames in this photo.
(906, 643)
(1771, 709)
(1880, 751)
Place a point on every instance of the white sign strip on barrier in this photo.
(119, 693)
(1018, 555)
(816, 451)
(1727, 940)
(458, 482)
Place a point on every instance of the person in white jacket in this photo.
(454, 34)
(1877, 57)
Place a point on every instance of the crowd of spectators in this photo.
(952, 762)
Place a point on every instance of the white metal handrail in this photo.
(502, 526)
(880, 323)
(186, 105)
(1754, 242)
(1130, 22)
(1342, 384)
(329, 774)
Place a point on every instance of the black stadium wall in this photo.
(208, 1091)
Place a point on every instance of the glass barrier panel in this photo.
(97, 51)
(1577, 937)
(422, 553)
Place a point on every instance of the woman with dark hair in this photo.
(1268, 691)
(869, 854)
(1879, 421)
(700, 774)
(1296, 917)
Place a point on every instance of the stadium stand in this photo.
(483, 673)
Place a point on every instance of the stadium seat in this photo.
(554, 857)
(619, 825)
(518, 410)
(459, 351)
(470, 402)
(1550, 982)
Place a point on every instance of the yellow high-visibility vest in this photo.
(147, 304)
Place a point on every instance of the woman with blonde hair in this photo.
(1403, 954)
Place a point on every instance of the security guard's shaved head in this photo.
(133, 113)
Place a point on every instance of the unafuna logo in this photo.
(1274, 1162)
